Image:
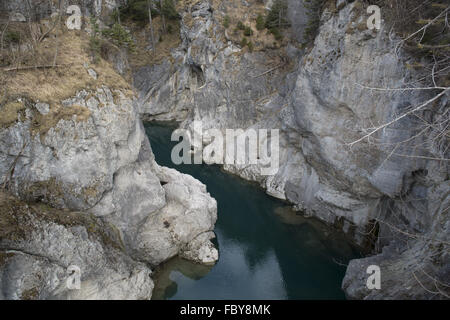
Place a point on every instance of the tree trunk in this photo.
(163, 17)
(279, 19)
(57, 40)
(3, 36)
(151, 25)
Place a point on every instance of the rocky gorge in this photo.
(83, 187)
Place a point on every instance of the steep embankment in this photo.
(71, 137)
(386, 193)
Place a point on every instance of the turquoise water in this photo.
(266, 250)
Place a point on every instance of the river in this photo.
(266, 250)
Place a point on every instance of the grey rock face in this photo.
(97, 159)
(90, 154)
(184, 225)
(72, 164)
(38, 245)
(418, 270)
(44, 9)
(225, 88)
(320, 105)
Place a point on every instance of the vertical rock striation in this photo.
(320, 101)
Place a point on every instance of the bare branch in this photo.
(399, 118)
(35, 67)
(402, 89)
(421, 29)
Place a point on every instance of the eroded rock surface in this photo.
(91, 155)
(39, 244)
(321, 101)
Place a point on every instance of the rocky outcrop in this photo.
(43, 9)
(387, 193)
(183, 226)
(39, 245)
(319, 99)
(90, 154)
(414, 265)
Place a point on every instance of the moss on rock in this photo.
(10, 113)
(18, 221)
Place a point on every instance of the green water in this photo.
(266, 250)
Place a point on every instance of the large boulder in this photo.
(91, 154)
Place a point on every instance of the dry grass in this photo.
(10, 222)
(54, 85)
(18, 221)
(10, 113)
(43, 123)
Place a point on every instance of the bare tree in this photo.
(411, 111)
(152, 35)
(429, 139)
(433, 79)
(163, 16)
(2, 37)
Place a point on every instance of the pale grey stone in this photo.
(17, 17)
(319, 108)
(92, 73)
(43, 108)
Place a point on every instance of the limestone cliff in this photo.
(82, 146)
(71, 138)
(320, 99)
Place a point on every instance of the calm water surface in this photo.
(266, 250)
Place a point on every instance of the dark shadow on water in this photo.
(165, 287)
(267, 251)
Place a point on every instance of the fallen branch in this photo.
(273, 69)
(402, 89)
(413, 236)
(36, 67)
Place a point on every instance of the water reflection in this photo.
(266, 250)
(165, 287)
